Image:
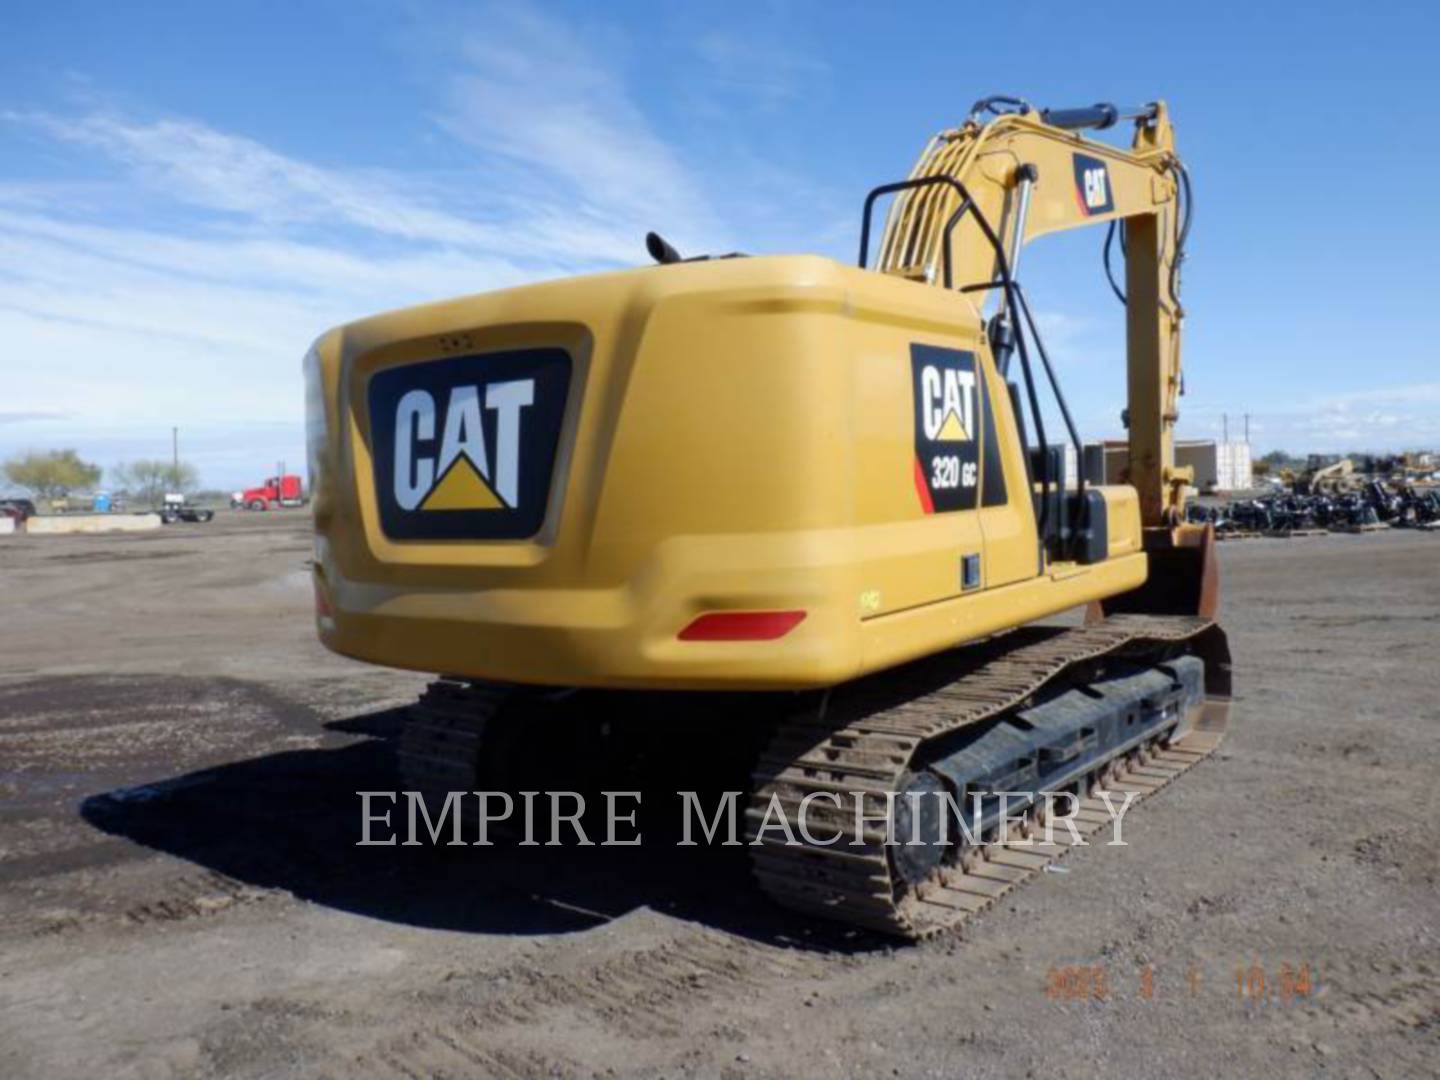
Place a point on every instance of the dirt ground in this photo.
(181, 894)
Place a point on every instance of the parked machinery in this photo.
(177, 508)
(817, 494)
(1365, 502)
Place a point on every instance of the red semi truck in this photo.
(276, 491)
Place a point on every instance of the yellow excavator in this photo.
(784, 478)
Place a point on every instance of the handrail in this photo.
(907, 185)
(1013, 299)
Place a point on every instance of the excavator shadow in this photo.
(292, 820)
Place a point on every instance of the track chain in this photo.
(866, 740)
(443, 737)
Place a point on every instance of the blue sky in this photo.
(190, 193)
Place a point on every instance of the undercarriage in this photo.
(910, 800)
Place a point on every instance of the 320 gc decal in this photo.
(947, 444)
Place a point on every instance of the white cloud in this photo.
(120, 321)
(22, 417)
(183, 285)
(1385, 418)
(244, 181)
(575, 133)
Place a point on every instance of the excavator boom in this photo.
(1031, 173)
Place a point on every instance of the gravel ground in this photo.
(181, 894)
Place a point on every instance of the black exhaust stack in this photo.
(660, 249)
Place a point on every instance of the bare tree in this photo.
(148, 479)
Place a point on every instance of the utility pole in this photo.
(1247, 429)
(175, 450)
(1225, 427)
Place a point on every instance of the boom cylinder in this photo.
(1099, 116)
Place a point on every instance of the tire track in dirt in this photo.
(643, 994)
(192, 896)
(439, 1052)
(649, 992)
(196, 896)
(1373, 999)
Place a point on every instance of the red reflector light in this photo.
(322, 603)
(742, 626)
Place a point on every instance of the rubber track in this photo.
(869, 749)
